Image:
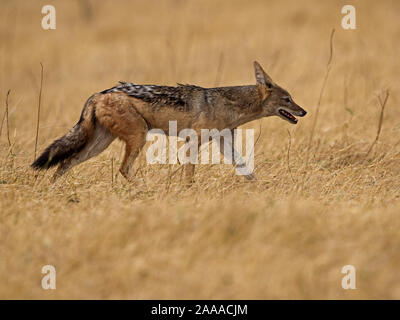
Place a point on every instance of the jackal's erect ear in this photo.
(264, 82)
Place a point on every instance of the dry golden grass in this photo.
(288, 235)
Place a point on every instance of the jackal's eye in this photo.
(287, 99)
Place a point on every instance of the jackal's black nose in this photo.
(303, 113)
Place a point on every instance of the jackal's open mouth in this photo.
(287, 116)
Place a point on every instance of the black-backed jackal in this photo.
(128, 111)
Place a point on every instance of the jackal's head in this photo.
(275, 100)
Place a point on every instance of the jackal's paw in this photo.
(188, 182)
(251, 177)
(54, 178)
(127, 176)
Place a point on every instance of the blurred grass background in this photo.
(288, 235)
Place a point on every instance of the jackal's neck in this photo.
(241, 103)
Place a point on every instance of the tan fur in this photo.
(117, 113)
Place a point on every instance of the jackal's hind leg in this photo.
(132, 149)
(117, 112)
(133, 133)
(189, 168)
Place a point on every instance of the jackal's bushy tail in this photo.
(71, 143)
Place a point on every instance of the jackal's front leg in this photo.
(189, 173)
(237, 160)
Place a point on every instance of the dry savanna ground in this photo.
(324, 198)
